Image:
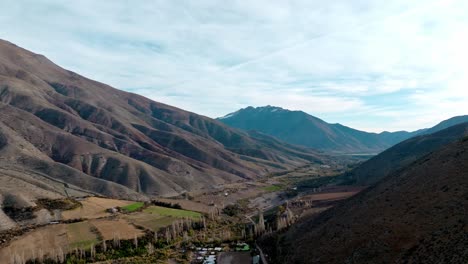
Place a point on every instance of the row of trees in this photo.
(168, 205)
(284, 218)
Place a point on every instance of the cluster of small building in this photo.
(207, 255)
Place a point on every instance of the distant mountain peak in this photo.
(298, 127)
(267, 108)
(301, 128)
(258, 109)
(271, 108)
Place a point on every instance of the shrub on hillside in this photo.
(168, 205)
(232, 210)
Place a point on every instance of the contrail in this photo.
(301, 43)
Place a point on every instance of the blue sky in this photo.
(369, 64)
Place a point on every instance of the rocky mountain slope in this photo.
(444, 124)
(403, 154)
(300, 128)
(69, 133)
(416, 215)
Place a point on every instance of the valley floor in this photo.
(146, 230)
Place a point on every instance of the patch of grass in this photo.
(81, 235)
(273, 188)
(156, 217)
(163, 211)
(133, 207)
(151, 221)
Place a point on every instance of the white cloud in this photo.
(379, 65)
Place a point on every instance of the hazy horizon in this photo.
(367, 65)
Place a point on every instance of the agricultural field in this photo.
(56, 239)
(133, 207)
(81, 235)
(116, 228)
(42, 241)
(94, 207)
(97, 225)
(177, 213)
(156, 217)
(151, 222)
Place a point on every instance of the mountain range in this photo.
(63, 133)
(300, 128)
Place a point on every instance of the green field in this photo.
(178, 213)
(133, 207)
(150, 221)
(156, 217)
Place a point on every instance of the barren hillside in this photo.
(58, 125)
(417, 215)
(403, 154)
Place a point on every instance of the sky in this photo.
(373, 65)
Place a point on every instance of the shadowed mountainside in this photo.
(403, 154)
(55, 123)
(417, 215)
(445, 124)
